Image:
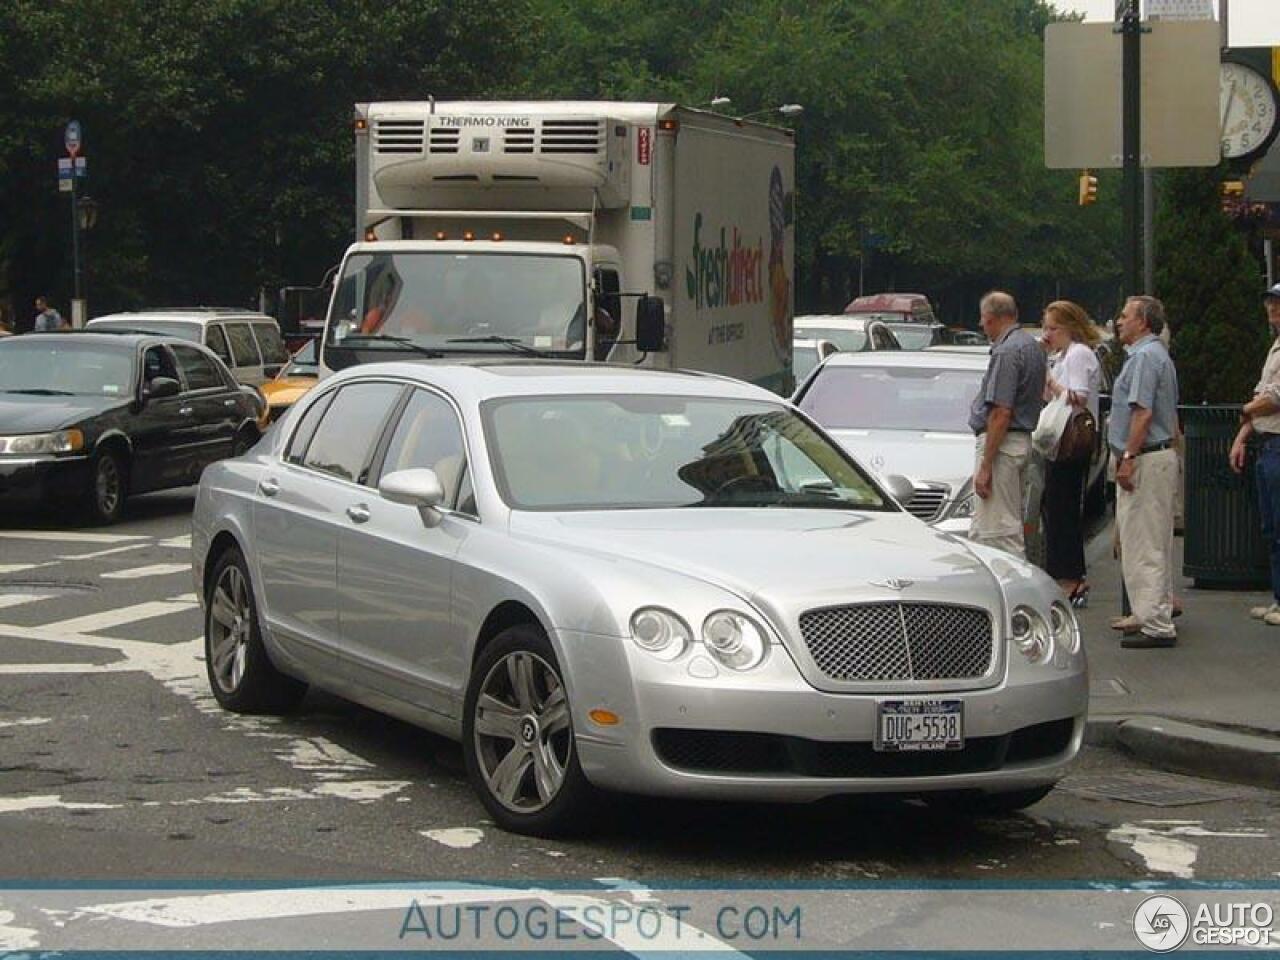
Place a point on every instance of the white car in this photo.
(849, 334)
(611, 578)
(906, 413)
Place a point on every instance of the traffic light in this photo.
(1232, 195)
(1088, 188)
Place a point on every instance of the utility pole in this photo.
(1131, 188)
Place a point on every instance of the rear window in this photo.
(269, 342)
(216, 341)
(243, 348)
(892, 398)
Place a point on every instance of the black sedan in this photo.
(90, 418)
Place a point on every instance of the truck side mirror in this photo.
(651, 325)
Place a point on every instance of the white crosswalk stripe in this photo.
(105, 620)
(18, 599)
(110, 551)
(154, 570)
(70, 536)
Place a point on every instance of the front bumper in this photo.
(34, 480)
(769, 735)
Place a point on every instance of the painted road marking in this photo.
(17, 599)
(22, 567)
(154, 570)
(103, 553)
(107, 619)
(70, 536)
(177, 543)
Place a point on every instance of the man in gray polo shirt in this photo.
(1002, 416)
(1144, 422)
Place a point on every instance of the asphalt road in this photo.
(116, 764)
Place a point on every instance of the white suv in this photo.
(248, 343)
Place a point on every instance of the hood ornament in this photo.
(893, 583)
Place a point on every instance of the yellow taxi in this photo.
(299, 375)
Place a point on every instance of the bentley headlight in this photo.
(734, 640)
(63, 441)
(660, 633)
(1031, 635)
(1066, 629)
(963, 510)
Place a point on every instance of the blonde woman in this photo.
(1070, 337)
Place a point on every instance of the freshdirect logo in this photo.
(1161, 924)
(727, 273)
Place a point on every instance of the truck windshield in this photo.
(431, 298)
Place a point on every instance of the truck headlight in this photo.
(1065, 627)
(63, 441)
(660, 633)
(736, 641)
(1031, 635)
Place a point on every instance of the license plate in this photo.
(903, 725)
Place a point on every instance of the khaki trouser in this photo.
(1144, 521)
(997, 520)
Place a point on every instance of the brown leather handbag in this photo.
(1079, 438)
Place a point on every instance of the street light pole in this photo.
(1131, 189)
(75, 238)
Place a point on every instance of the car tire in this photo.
(989, 804)
(108, 487)
(531, 781)
(241, 674)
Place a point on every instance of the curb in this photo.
(1191, 749)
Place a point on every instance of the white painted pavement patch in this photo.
(177, 543)
(110, 551)
(1162, 846)
(49, 801)
(14, 937)
(7, 568)
(18, 599)
(154, 570)
(460, 838)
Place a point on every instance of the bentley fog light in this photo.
(660, 633)
(734, 640)
(1066, 629)
(1031, 635)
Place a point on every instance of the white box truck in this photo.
(641, 233)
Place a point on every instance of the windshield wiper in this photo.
(515, 343)
(42, 392)
(398, 343)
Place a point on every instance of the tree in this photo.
(1211, 287)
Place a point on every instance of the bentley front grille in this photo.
(899, 641)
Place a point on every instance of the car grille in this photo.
(899, 641)
(742, 752)
(927, 502)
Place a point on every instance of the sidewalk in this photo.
(1209, 706)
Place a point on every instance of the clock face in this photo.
(1246, 109)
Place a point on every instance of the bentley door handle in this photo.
(229, 402)
(186, 411)
(359, 513)
(270, 486)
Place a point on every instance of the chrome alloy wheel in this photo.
(523, 738)
(107, 487)
(230, 625)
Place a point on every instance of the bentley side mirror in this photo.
(160, 387)
(651, 325)
(419, 487)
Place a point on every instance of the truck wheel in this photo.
(518, 737)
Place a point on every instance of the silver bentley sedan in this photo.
(603, 578)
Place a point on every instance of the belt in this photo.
(1149, 448)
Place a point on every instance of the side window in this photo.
(467, 496)
(301, 438)
(243, 350)
(428, 435)
(199, 370)
(216, 341)
(157, 362)
(270, 343)
(349, 430)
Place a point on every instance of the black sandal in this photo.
(1079, 597)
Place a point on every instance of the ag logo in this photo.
(1161, 923)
